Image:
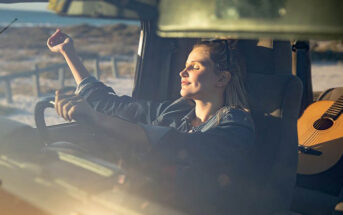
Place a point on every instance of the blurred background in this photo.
(23, 50)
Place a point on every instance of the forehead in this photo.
(199, 54)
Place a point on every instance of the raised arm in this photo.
(60, 42)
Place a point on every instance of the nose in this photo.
(183, 73)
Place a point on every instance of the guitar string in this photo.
(307, 135)
(311, 139)
(310, 130)
(313, 135)
(316, 134)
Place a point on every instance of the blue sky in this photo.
(26, 6)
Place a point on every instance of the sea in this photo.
(41, 18)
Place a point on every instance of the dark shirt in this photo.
(207, 164)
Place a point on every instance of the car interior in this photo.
(274, 107)
(279, 90)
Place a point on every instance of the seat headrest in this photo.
(263, 60)
(266, 93)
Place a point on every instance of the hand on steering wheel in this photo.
(73, 107)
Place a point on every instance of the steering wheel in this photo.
(47, 102)
(46, 133)
(85, 141)
(71, 135)
(41, 105)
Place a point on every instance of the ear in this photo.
(223, 79)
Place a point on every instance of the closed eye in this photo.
(196, 67)
(193, 67)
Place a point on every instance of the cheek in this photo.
(206, 80)
(200, 78)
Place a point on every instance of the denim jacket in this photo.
(207, 160)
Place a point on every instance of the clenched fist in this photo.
(60, 42)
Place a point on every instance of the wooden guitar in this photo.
(320, 133)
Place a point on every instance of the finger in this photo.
(72, 113)
(67, 40)
(56, 32)
(54, 35)
(57, 38)
(57, 99)
(66, 109)
(59, 105)
(58, 96)
(81, 111)
(72, 103)
(76, 113)
(64, 103)
(50, 40)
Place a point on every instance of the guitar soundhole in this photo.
(323, 123)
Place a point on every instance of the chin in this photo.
(186, 95)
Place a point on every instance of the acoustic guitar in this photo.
(320, 133)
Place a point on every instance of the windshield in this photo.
(107, 47)
(327, 66)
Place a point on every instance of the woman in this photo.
(205, 136)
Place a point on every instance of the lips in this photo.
(185, 82)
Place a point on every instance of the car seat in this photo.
(274, 96)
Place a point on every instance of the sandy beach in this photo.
(23, 47)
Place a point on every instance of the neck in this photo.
(205, 109)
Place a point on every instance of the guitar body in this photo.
(328, 141)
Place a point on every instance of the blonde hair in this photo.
(225, 54)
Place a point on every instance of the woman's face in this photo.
(198, 79)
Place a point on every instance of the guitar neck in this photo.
(335, 110)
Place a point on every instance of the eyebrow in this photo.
(201, 62)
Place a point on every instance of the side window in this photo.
(327, 65)
(29, 71)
